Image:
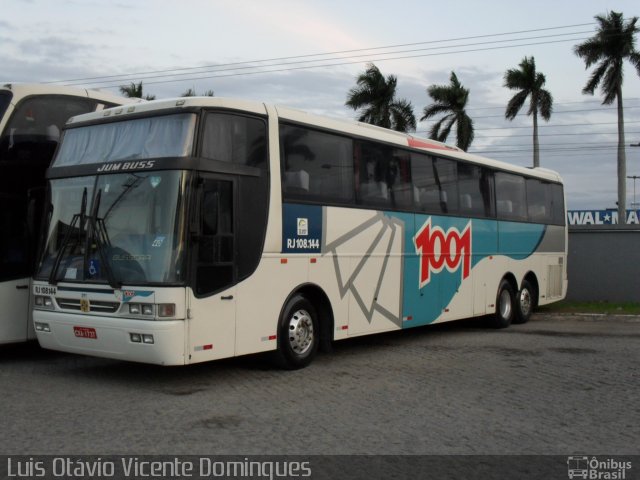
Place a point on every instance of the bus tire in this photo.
(298, 333)
(505, 310)
(525, 303)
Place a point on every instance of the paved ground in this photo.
(557, 385)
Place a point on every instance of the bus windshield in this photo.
(41, 117)
(142, 138)
(124, 228)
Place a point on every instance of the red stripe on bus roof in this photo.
(414, 142)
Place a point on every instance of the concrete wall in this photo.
(604, 263)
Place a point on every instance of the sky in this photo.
(307, 54)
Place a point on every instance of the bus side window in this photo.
(511, 197)
(317, 166)
(235, 139)
(373, 172)
(446, 177)
(556, 193)
(538, 201)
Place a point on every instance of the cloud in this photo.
(301, 21)
(53, 49)
(47, 59)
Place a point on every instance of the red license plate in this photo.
(85, 332)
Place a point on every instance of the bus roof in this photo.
(359, 129)
(21, 90)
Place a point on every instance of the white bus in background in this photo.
(31, 119)
(195, 229)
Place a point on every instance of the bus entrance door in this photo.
(14, 298)
(14, 269)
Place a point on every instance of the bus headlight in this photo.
(164, 310)
(42, 301)
(142, 338)
(141, 309)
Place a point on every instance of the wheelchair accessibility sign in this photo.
(94, 268)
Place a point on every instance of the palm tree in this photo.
(451, 101)
(529, 83)
(135, 91)
(190, 92)
(613, 43)
(375, 95)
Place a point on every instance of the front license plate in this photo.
(85, 332)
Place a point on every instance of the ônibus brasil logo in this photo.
(439, 249)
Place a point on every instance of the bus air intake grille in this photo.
(94, 305)
(554, 284)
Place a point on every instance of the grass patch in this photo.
(629, 308)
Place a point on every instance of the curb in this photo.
(593, 317)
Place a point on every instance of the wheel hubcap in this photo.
(505, 304)
(525, 301)
(300, 332)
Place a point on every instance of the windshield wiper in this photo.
(77, 217)
(95, 231)
(98, 232)
(83, 211)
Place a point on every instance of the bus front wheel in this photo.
(505, 310)
(298, 333)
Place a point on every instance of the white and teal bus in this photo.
(31, 119)
(188, 230)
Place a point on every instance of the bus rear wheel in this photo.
(525, 303)
(298, 333)
(505, 310)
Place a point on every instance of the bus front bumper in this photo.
(156, 342)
